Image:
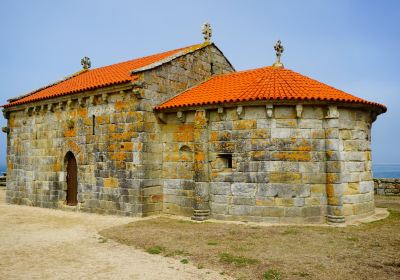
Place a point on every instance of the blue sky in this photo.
(351, 45)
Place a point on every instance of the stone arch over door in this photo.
(72, 179)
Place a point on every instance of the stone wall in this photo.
(385, 186)
(172, 168)
(278, 166)
(289, 163)
(3, 181)
(356, 170)
(113, 134)
(105, 148)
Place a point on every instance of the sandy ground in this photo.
(38, 243)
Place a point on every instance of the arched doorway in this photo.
(72, 179)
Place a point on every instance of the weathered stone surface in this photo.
(384, 186)
(246, 165)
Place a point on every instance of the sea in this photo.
(386, 170)
(379, 170)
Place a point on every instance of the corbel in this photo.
(55, 106)
(240, 111)
(270, 110)
(82, 101)
(43, 107)
(29, 111)
(91, 100)
(104, 97)
(69, 104)
(221, 114)
(374, 115)
(62, 105)
(51, 107)
(299, 110)
(37, 109)
(181, 116)
(162, 117)
(332, 112)
(6, 114)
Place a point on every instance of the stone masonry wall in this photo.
(355, 147)
(105, 150)
(171, 170)
(120, 164)
(288, 162)
(278, 172)
(385, 186)
(177, 168)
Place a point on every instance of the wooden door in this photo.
(72, 180)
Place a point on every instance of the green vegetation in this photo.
(155, 250)
(271, 274)
(236, 260)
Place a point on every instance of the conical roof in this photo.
(267, 83)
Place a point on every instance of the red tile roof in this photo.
(100, 77)
(268, 83)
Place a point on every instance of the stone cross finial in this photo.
(207, 32)
(279, 50)
(85, 62)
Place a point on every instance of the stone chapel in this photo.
(181, 132)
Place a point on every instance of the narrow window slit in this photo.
(94, 124)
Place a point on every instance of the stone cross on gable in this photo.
(85, 62)
(207, 32)
(279, 50)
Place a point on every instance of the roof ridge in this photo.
(107, 75)
(181, 52)
(144, 57)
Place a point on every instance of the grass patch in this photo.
(236, 260)
(271, 274)
(184, 261)
(366, 251)
(394, 214)
(155, 250)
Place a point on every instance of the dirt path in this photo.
(40, 243)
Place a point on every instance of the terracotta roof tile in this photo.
(99, 77)
(268, 83)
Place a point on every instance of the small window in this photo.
(93, 124)
(226, 159)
